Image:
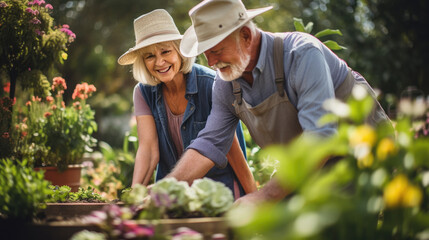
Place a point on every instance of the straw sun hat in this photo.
(213, 21)
(153, 27)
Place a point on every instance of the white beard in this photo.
(236, 70)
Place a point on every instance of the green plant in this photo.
(53, 134)
(299, 26)
(64, 194)
(112, 170)
(22, 190)
(378, 190)
(169, 198)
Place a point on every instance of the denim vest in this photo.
(199, 95)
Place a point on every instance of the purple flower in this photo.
(162, 200)
(3, 4)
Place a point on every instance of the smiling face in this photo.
(162, 61)
(228, 58)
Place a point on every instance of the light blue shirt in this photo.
(312, 73)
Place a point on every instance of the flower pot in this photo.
(69, 177)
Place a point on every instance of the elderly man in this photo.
(275, 84)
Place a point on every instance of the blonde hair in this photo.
(141, 73)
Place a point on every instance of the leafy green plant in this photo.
(378, 190)
(22, 190)
(169, 198)
(52, 133)
(64, 194)
(300, 27)
(111, 170)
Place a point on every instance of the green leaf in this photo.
(309, 27)
(328, 32)
(299, 25)
(333, 45)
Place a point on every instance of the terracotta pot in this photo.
(69, 177)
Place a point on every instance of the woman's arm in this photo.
(239, 165)
(147, 156)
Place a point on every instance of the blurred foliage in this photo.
(22, 190)
(377, 190)
(111, 170)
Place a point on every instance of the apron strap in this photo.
(278, 62)
(236, 90)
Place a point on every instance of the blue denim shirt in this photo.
(199, 84)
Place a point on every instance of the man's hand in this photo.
(271, 192)
(192, 165)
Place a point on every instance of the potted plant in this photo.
(55, 135)
(31, 46)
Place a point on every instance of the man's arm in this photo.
(191, 166)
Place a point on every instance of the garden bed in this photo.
(71, 210)
(65, 229)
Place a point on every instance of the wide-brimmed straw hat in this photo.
(213, 21)
(154, 27)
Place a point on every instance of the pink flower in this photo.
(59, 85)
(66, 29)
(49, 6)
(3, 4)
(35, 21)
(83, 90)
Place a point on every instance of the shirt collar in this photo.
(260, 65)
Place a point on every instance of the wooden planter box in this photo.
(71, 210)
(60, 230)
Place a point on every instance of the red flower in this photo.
(6, 88)
(47, 114)
(50, 99)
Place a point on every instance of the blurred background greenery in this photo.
(387, 42)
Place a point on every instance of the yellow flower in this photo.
(363, 134)
(412, 197)
(64, 55)
(366, 161)
(385, 148)
(400, 193)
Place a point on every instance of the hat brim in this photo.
(130, 56)
(190, 47)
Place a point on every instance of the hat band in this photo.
(156, 34)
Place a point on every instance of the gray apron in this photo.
(275, 120)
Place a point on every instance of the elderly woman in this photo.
(172, 102)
